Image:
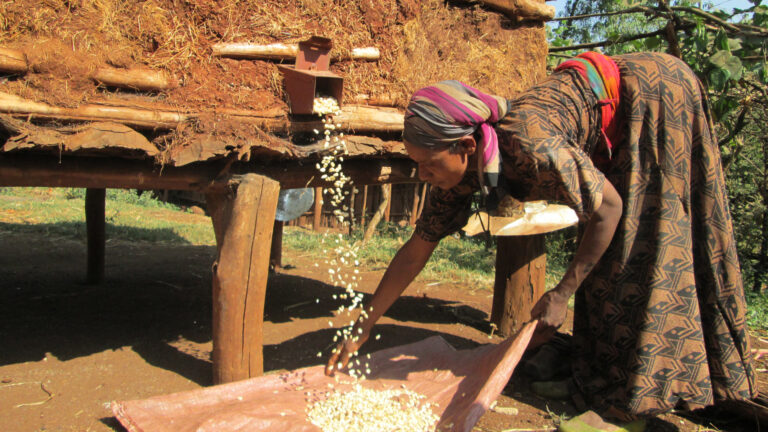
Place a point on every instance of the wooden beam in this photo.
(276, 250)
(522, 9)
(95, 227)
(84, 172)
(365, 204)
(353, 118)
(243, 216)
(415, 206)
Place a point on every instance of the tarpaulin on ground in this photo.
(463, 384)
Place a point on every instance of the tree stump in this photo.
(96, 228)
(243, 216)
(521, 264)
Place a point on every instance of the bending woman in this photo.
(626, 142)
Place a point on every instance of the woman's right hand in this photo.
(344, 351)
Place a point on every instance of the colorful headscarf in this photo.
(603, 76)
(439, 115)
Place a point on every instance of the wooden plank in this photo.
(521, 263)
(415, 206)
(243, 217)
(95, 227)
(365, 204)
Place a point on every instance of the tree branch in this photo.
(607, 43)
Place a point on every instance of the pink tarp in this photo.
(462, 384)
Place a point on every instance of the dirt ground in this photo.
(68, 349)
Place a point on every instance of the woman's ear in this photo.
(467, 145)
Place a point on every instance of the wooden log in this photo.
(143, 79)
(521, 264)
(243, 218)
(279, 51)
(85, 172)
(522, 9)
(95, 227)
(13, 61)
(276, 250)
(353, 118)
(318, 211)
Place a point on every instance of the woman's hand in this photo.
(550, 310)
(344, 352)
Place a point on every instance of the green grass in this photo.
(61, 212)
(130, 217)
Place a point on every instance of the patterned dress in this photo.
(660, 321)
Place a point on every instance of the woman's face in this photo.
(442, 168)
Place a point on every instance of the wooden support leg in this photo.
(95, 226)
(276, 252)
(243, 218)
(521, 263)
(318, 212)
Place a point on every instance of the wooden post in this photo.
(95, 226)
(388, 210)
(276, 251)
(521, 264)
(365, 204)
(352, 210)
(243, 218)
(318, 213)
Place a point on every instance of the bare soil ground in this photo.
(67, 349)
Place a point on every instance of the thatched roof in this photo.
(228, 106)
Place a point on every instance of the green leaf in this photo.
(720, 58)
(763, 73)
(721, 41)
(734, 44)
(718, 78)
(652, 43)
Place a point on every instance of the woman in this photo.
(627, 143)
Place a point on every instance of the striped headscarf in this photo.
(438, 116)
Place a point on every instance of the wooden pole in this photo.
(276, 251)
(13, 61)
(95, 226)
(371, 228)
(365, 204)
(243, 217)
(279, 51)
(318, 212)
(388, 209)
(144, 79)
(352, 210)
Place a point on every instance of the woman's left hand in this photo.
(550, 310)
